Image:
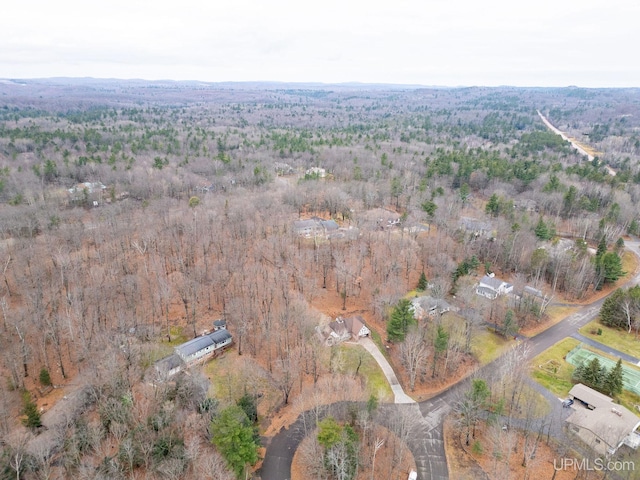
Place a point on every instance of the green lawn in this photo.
(369, 370)
(487, 346)
(377, 339)
(232, 376)
(629, 264)
(163, 348)
(630, 401)
(618, 339)
(550, 369)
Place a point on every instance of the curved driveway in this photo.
(426, 439)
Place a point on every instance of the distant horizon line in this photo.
(360, 84)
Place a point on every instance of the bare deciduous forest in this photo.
(134, 214)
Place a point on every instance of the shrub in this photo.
(30, 409)
(45, 378)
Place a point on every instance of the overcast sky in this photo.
(590, 43)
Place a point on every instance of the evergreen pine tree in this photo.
(612, 384)
(248, 404)
(45, 378)
(31, 411)
(422, 282)
(594, 374)
(541, 230)
(611, 267)
(611, 313)
(400, 321)
(234, 436)
(509, 325)
(602, 247)
(493, 205)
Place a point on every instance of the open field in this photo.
(550, 369)
(487, 346)
(618, 339)
(349, 358)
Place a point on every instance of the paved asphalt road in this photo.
(426, 441)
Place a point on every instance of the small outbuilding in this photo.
(219, 324)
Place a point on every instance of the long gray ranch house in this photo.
(200, 347)
(194, 351)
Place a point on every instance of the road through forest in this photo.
(426, 442)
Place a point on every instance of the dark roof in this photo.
(219, 323)
(301, 224)
(475, 225)
(329, 224)
(533, 291)
(219, 336)
(192, 346)
(169, 363)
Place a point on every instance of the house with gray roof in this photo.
(200, 347)
(476, 228)
(315, 227)
(599, 422)
(169, 366)
(343, 329)
(491, 287)
(221, 338)
(195, 350)
(426, 306)
(532, 292)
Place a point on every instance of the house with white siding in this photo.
(491, 287)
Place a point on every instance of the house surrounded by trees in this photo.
(491, 287)
(195, 350)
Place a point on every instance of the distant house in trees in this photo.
(604, 425)
(491, 287)
(426, 306)
(526, 205)
(195, 349)
(316, 172)
(315, 227)
(381, 218)
(283, 168)
(532, 292)
(476, 228)
(206, 188)
(343, 329)
(87, 193)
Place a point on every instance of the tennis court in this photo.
(631, 379)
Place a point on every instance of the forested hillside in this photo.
(134, 214)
